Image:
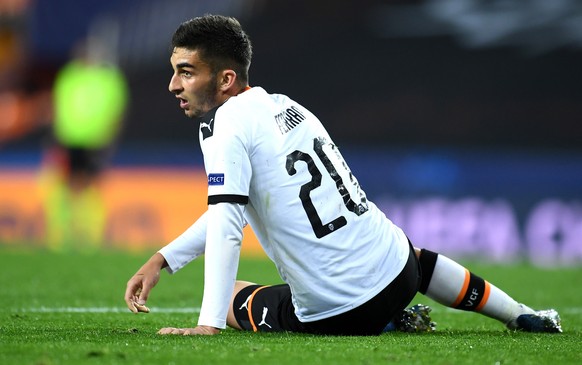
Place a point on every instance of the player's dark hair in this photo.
(221, 42)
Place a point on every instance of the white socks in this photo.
(452, 285)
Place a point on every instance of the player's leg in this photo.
(231, 318)
(263, 308)
(269, 309)
(452, 285)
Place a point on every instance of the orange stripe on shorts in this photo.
(463, 289)
(250, 307)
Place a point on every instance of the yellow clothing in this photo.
(89, 104)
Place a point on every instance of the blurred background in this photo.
(460, 118)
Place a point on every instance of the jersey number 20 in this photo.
(359, 208)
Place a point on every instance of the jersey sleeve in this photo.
(224, 135)
(224, 236)
(186, 247)
(227, 161)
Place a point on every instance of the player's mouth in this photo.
(183, 102)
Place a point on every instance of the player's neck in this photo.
(246, 88)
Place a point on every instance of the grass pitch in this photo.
(69, 309)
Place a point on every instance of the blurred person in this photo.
(90, 97)
(348, 270)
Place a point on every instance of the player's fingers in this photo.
(133, 308)
(171, 331)
(143, 294)
(141, 308)
(165, 331)
(130, 298)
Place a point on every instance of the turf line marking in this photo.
(105, 310)
(196, 310)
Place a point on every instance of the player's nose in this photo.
(174, 86)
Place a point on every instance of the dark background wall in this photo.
(432, 72)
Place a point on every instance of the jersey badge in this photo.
(215, 179)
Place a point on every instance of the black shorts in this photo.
(87, 161)
(269, 308)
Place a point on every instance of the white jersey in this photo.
(274, 161)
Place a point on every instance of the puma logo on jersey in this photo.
(207, 129)
(289, 119)
(206, 125)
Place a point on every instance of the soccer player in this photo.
(348, 270)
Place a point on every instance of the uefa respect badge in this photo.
(215, 179)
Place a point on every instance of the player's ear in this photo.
(227, 80)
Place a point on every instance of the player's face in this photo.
(193, 83)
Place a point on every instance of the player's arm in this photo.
(223, 242)
(226, 160)
(173, 257)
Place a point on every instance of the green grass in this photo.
(31, 280)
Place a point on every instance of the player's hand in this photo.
(198, 330)
(139, 286)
